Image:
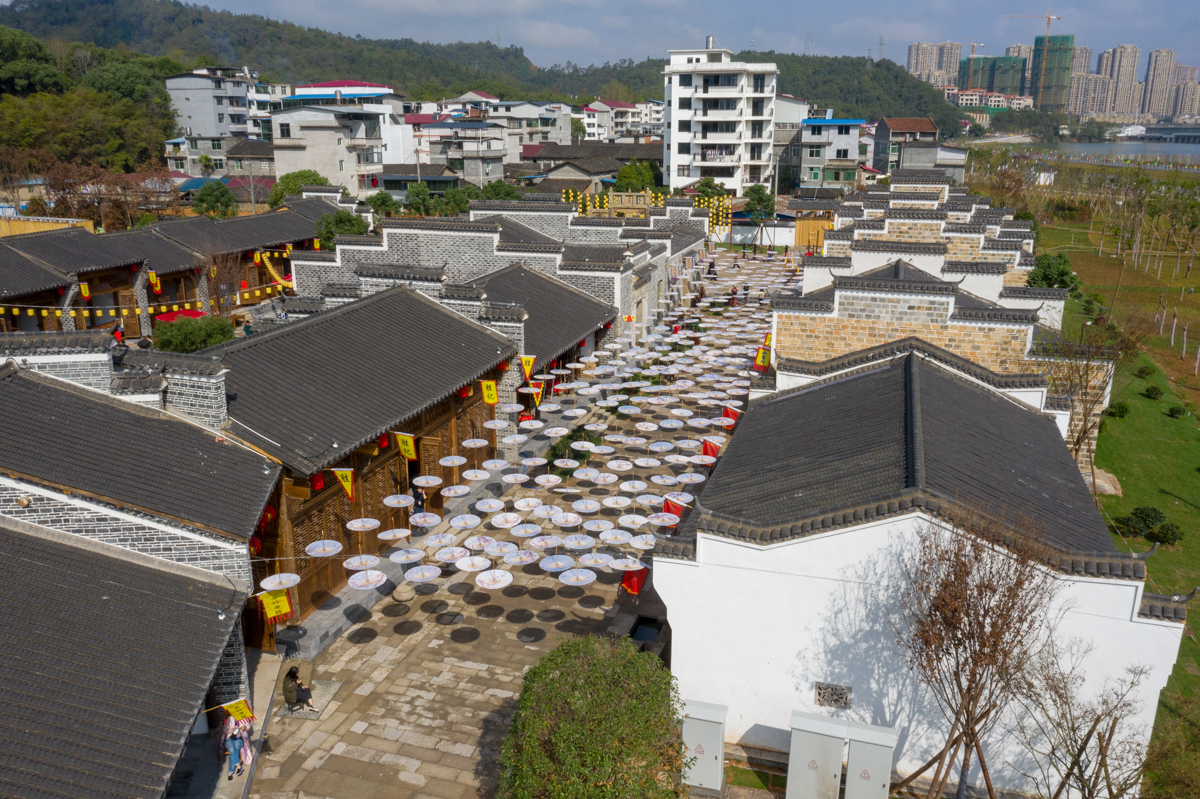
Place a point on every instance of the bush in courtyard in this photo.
(1153, 392)
(289, 184)
(1168, 533)
(596, 717)
(1118, 410)
(1176, 411)
(342, 222)
(192, 335)
(1148, 516)
(1053, 271)
(1144, 371)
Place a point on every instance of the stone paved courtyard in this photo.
(425, 688)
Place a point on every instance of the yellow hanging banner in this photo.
(767, 341)
(527, 365)
(239, 709)
(762, 359)
(276, 605)
(85, 291)
(537, 393)
(346, 478)
(489, 391)
(407, 446)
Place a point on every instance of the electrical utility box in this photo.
(815, 762)
(704, 737)
(869, 765)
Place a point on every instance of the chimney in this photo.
(337, 96)
(709, 43)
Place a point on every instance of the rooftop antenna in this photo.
(1045, 44)
(808, 44)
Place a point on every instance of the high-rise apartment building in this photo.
(935, 63)
(1186, 100)
(718, 119)
(1160, 76)
(1051, 73)
(1022, 51)
(1121, 66)
(1184, 74)
(1081, 62)
(1090, 95)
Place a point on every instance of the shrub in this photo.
(596, 717)
(1153, 392)
(1176, 411)
(1144, 371)
(290, 183)
(192, 335)
(216, 200)
(1053, 270)
(341, 222)
(1168, 533)
(1148, 516)
(1118, 410)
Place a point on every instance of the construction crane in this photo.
(971, 63)
(1045, 47)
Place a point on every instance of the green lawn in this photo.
(745, 777)
(1157, 458)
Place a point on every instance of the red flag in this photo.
(730, 413)
(633, 581)
(672, 507)
(710, 449)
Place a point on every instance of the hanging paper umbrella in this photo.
(472, 563)
(632, 520)
(597, 525)
(532, 424)
(427, 481)
(398, 501)
(498, 549)
(585, 506)
(616, 538)
(495, 424)
(496, 465)
(577, 577)
(526, 530)
(616, 502)
(489, 505)
(466, 521)
(691, 478)
(452, 554)
(475, 475)
(323, 549)
(455, 491)
(514, 439)
(647, 463)
(362, 525)
(557, 563)
(547, 480)
(594, 559)
(555, 432)
(394, 534)
(512, 407)
(620, 465)
(649, 500)
(475, 443)
(567, 519)
(533, 463)
(493, 579)
(527, 504)
(663, 519)
(365, 580)
(360, 562)
(506, 520)
(633, 486)
(579, 541)
(515, 479)
(547, 511)
(422, 574)
(642, 542)
(549, 407)
(439, 540)
(406, 556)
(545, 542)
(451, 461)
(280, 582)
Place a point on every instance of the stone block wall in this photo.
(309, 276)
(964, 247)
(374, 285)
(1017, 276)
(601, 285)
(89, 369)
(231, 680)
(892, 309)
(554, 225)
(912, 230)
(836, 249)
(201, 398)
(130, 530)
(585, 234)
(819, 337)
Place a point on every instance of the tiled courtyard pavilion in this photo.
(415, 700)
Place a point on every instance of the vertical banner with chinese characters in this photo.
(346, 478)
(489, 391)
(407, 445)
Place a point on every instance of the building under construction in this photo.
(1051, 72)
(1000, 74)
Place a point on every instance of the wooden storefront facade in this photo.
(308, 513)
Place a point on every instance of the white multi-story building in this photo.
(718, 120)
(213, 102)
(531, 123)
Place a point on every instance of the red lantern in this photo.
(608, 325)
(244, 285)
(268, 515)
(382, 441)
(255, 545)
(464, 392)
(503, 366)
(583, 344)
(133, 268)
(317, 481)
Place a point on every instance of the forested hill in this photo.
(291, 53)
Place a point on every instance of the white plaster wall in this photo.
(865, 261)
(1050, 312)
(986, 286)
(755, 627)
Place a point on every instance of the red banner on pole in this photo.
(710, 449)
(672, 507)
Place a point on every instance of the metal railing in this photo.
(720, 136)
(721, 113)
(712, 156)
(711, 89)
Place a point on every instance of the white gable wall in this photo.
(755, 627)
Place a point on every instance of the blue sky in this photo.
(586, 31)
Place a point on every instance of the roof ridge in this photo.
(914, 431)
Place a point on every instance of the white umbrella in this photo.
(279, 582)
(479, 542)
(595, 559)
(452, 554)
(439, 540)
(526, 530)
(362, 525)
(521, 557)
(323, 549)
(466, 521)
(515, 479)
(366, 580)
(455, 491)
(452, 460)
(473, 563)
(633, 486)
(489, 505)
(406, 556)
(579, 541)
(514, 439)
(475, 475)
(498, 549)
(422, 574)
(617, 502)
(545, 542)
(506, 520)
(398, 501)
(576, 577)
(566, 463)
(632, 520)
(585, 506)
(557, 563)
(360, 562)
(527, 504)
(597, 525)
(547, 480)
(493, 579)
(616, 538)
(496, 465)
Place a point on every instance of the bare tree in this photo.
(1085, 371)
(973, 610)
(1084, 746)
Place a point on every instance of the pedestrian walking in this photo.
(419, 497)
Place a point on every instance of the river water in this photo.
(1139, 150)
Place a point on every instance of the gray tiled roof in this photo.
(904, 435)
(975, 267)
(1033, 293)
(515, 206)
(559, 315)
(919, 214)
(101, 691)
(598, 257)
(683, 236)
(918, 176)
(968, 307)
(131, 456)
(271, 229)
(171, 362)
(54, 342)
(826, 261)
(904, 346)
(429, 274)
(908, 247)
(487, 225)
(312, 208)
(1001, 245)
(351, 374)
(513, 232)
(21, 275)
(75, 249)
(972, 228)
(898, 276)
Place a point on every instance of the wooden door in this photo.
(133, 326)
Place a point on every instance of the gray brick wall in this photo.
(68, 321)
(582, 234)
(625, 306)
(893, 308)
(308, 277)
(231, 680)
(601, 285)
(554, 225)
(93, 370)
(199, 398)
